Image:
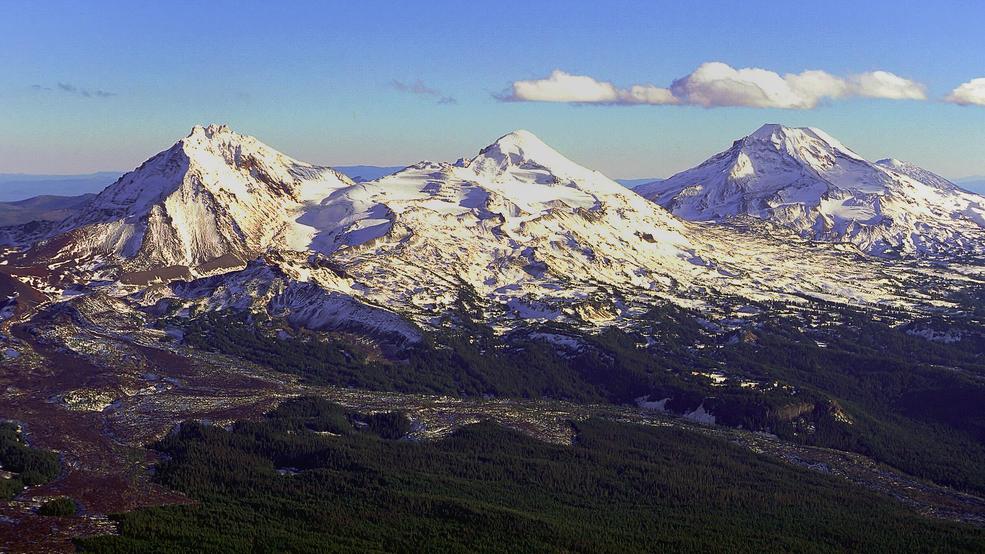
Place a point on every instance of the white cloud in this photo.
(648, 94)
(817, 84)
(581, 89)
(419, 88)
(883, 84)
(968, 94)
(564, 87)
(718, 84)
(715, 84)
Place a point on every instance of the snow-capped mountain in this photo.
(519, 227)
(807, 180)
(520, 232)
(517, 232)
(525, 231)
(215, 199)
(506, 188)
(517, 219)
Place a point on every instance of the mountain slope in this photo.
(515, 224)
(533, 235)
(806, 180)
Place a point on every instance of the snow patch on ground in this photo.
(655, 405)
(947, 337)
(700, 415)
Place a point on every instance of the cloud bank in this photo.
(419, 88)
(69, 88)
(971, 93)
(581, 89)
(715, 84)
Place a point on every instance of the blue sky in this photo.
(88, 86)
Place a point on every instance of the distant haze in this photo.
(360, 173)
(18, 186)
(974, 184)
(633, 183)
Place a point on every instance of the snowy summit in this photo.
(807, 180)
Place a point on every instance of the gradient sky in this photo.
(88, 86)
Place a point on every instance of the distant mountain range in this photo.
(633, 183)
(41, 208)
(21, 186)
(800, 178)
(530, 233)
(975, 184)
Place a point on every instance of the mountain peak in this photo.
(807, 180)
(768, 130)
(209, 131)
(798, 139)
(522, 150)
(219, 137)
(771, 130)
(518, 146)
(776, 131)
(519, 137)
(213, 194)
